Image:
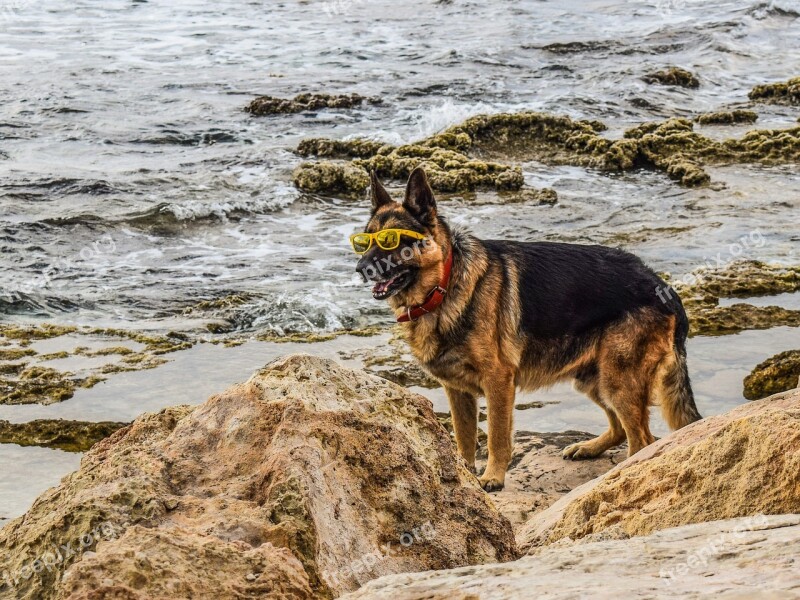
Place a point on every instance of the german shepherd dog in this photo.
(527, 315)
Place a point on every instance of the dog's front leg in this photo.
(464, 412)
(499, 390)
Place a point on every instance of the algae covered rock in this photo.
(702, 289)
(475, 154)
(72, 436)
(732, 117)
(776, 374)
(269, 105)
(742, 463)
(309, 476)
(329, 177)
(784, 92)
(673, 76)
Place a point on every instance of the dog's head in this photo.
(404, 275)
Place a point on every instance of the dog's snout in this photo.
(366, 268)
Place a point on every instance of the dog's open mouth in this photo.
(389, 287)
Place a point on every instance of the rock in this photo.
(269, 105)
(538, 474)
(742, 463)
(330, 178)
(310, 476)
(25, 382)
(154, 563)
(673, 76)
(702, 289)
(783, 92)
(776, 374)
(458, 159)
(740, 558)
(725, 320)
(72, 436)
(727, 117)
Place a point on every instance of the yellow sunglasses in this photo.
(387, 239)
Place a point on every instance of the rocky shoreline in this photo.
(312, 480)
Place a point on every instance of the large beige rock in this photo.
(745, 558)
(309, 479)
(744, 462)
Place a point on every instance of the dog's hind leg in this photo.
(627, 393)
(615, 434)
(464, 411)
(499, 392)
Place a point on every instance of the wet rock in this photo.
(732, 117)
(673, 76)
(738, 464)
(740, 279)
(784, 92)
(269, 105)
(776, 374)
(34, 384)
(546, 196)
(577, 47)
(538, 474)
(358, 148)
(701, 291)
(725, 320)
(738, 558)
(71, 436)
(329, 177)
(474, 154)
(28, 382)
(350, 474)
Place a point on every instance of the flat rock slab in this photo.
(745, 558)
(538, 475)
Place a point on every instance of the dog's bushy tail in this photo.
(672, 386)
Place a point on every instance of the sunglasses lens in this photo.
(360, 242)
(388, 239)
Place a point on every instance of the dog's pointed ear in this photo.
(419, 197)
(378, 193)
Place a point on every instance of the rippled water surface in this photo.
(130, 168)
(131, 175)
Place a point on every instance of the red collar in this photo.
(434, 298)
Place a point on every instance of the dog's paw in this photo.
(579, 451)
(491, 484)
